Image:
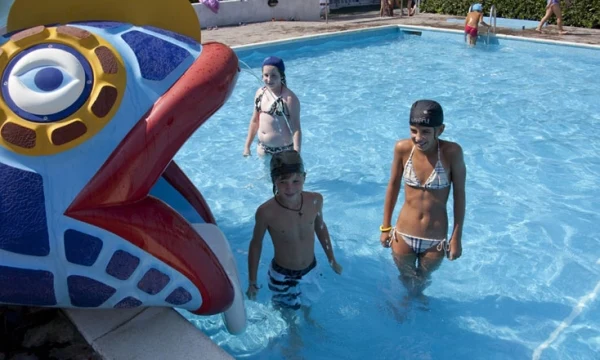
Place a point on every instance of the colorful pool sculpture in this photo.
(94, 212)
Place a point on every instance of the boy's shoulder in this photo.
(308, 195)
(266, 207)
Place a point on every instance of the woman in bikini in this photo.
(553, 7)
(276, 115)
(428, 166)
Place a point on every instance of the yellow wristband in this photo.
(382, 229)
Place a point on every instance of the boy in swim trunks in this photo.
(428, 166)
(292, 217)
(474, 18)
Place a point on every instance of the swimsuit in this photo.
(472, 31)
(420, 245)
(275, 149)
(552, 2)
(437, 180)
(274, 110)
(293, 288)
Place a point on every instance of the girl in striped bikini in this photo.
(428, 166)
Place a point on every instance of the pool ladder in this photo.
(492, 23)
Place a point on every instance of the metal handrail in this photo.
(492, 23)
(493, 18)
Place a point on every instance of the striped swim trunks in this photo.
(293, 288)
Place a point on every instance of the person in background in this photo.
(472, 21)
(276, 114)
(412, 7)
(387, 8)
(553, 7)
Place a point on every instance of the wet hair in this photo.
(427, 113)
(279, 64)
(285, 164)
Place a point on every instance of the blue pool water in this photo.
(505, 23)
(527, 116)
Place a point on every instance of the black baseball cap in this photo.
(426, 113)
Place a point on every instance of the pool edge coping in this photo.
(333, 34)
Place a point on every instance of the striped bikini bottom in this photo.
(274, 150)
(420, 245)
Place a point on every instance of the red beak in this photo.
(117, 200)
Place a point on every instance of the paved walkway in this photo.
(276, 30)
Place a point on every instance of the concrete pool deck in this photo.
(279, 30)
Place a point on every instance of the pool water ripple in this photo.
(527, 117)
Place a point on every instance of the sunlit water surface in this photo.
(527, 116)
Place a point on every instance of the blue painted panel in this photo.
(156, 57)
(165, 192)
(122, 264)
(23, 228)
(38, 292)
(179, 37)
(127, 303)
(86, 292)
(179, 296)
(82, 248)
(153, 282)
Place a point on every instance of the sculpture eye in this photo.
(47, 82)
(46, 79)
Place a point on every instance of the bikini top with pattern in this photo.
(437, 180)
(274, 109)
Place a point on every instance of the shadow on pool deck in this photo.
(278, 30)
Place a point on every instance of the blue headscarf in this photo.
(275, 61)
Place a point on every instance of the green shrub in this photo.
(582, 13)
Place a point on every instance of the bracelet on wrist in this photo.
(385, 229)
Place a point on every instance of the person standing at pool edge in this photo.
(428, 166)
(292, 217)
(276, 114)
(553, 7)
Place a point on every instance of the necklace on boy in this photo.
(298, 210)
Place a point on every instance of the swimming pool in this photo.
(528, 119)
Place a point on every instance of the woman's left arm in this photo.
(459, 176)
(294, 120)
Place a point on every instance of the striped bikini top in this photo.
(437, 180)
(276, 107)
